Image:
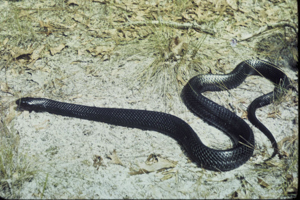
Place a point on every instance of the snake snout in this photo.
(27, 103)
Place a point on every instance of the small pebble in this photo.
(233, 42)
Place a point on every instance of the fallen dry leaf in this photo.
(57, 49)
(114, 158)
(97, 161)
(232, 4)
(72, 2)
(274, 114)
(154, 163)
(101, 50)
(36, 53)
(262, 183)
(17, 52)
(178, 45)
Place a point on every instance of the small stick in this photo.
(268, 27)
(193, 25)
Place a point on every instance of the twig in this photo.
(193, 25)
(268, 27)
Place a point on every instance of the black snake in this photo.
(212, 113)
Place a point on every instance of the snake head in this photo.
(29, 104)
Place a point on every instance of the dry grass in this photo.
(15, 167)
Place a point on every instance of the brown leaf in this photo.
(36, 53)
(72, 2)
(57, 49)
(114, 158)
(197, 2)
(110, 33)
(153, 163)
(78, 18)
(178, 45)
(244, 115)
(101, 50)
(101, 1)
(97, 161)
(262, 183)
(17, 52)
(232, 4)
(273, 114)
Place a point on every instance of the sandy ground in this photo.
(63, 149)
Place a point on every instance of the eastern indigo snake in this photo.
(212, 113)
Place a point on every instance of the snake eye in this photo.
(21, 101)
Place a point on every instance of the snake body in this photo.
(212, 113)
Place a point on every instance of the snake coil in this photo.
(212, 113)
